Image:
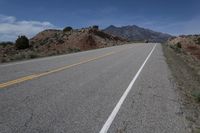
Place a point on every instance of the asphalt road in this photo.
(77, 93)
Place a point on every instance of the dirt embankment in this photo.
(188, 45)
(185, 69)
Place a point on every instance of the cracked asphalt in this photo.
(80, 99)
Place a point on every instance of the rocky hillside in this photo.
(135, 33)
(189, 45)
(54, 42)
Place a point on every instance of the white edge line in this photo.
(110, 119)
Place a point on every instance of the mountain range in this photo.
(136, 33)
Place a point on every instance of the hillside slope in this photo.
(188, 45)
(83, 39)
(135, 33)
(55, 42)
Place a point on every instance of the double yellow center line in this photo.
(34, 76)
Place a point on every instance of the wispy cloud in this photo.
(10, 27)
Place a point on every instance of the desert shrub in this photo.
(73, 50)
(66, 29)
(178, 45)
(22, 42)
(175, 48)
(32, 55)
(4, 44)
(95, 27)
(19, 56)
(196, 95)
(198, 41)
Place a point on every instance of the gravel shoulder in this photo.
(186, 74)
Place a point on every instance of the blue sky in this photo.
(31, 16)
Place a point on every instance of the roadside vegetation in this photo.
(22, 42)
(16, 51)
(4, 44)
(196, 95)
(67, 29)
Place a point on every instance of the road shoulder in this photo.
(187, 82)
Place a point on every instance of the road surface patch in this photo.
(112, 116)
(34, 76)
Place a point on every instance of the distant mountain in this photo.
(135, 33)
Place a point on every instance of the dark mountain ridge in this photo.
(136, 33)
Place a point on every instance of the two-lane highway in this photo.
(117, 89)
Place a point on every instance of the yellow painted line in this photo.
(34, 76)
